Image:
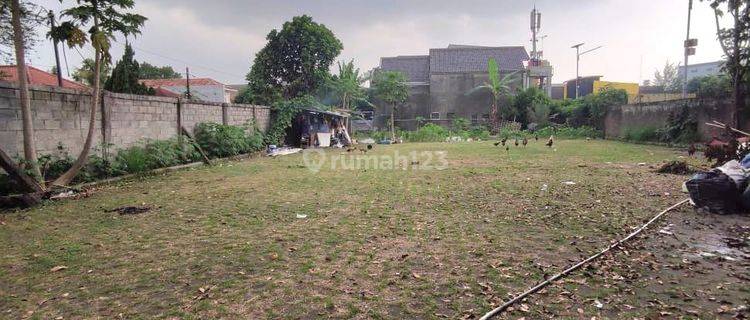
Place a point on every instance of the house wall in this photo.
(620, 118)
(61, 117)
(447, 93)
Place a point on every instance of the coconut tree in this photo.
(390, 87)
(104, 19)
(497, 87)
(24, 17)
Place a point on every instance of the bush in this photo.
(460, 124)
(428, 133)
(645, 133)
(133, 159)
(479, 132)
(681, 127)
(570, 132)
(219, 140)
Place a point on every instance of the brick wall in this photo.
(655, 114)
(61, 117)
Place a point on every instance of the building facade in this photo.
(441, 83)
(700, 70)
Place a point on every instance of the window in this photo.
(474, 118)
(435, 116)
(451, 115)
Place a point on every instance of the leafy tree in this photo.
(667, 78)
(105, 19)
(716, 86)
(294, 62)
(497, 87)
(347, 84)
(390, 87)
(31, 16)
(85, 72)
(526, 103)
(735, 42)
(149, 71)
(124, 77)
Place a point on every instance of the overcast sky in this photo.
(219, 38)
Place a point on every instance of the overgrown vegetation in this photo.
(216, 140)
(219, 140)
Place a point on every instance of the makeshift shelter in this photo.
(312, 127)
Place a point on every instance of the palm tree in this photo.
(497, 87)
(106, 20)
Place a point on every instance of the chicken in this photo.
(507, 149)
(536, 137)
(691, 150)
(516, 142)
(504, 139)
(497, 143)
(550, 141)
(524, 141)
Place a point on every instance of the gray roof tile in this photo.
(474, 58)
(416, 68)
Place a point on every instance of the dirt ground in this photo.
(269, 239)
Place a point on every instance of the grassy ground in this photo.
(226, 242)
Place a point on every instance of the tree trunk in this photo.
(29, 141)
(68, 176)
(737, 81)
(493, 117)
(393, 127)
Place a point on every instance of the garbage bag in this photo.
(745, 199)
(745, 163)
(735, 171)
(714, 192)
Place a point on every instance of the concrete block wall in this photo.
(655, 114)
(61, 117)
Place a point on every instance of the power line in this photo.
(185, 62)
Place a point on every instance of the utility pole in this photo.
(578, 59)
(57, 55)
(187, 83)
(689, 48)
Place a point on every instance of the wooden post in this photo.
(197, 146)
(179, 120)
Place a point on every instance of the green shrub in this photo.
(570, 132)
(460, 124)
(219, 140)
(645, 133)
(428, 133)
(681, 127)
(133, 159)
(479, 132)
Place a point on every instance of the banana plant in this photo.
(497, 87)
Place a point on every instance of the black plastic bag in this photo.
(714, 192)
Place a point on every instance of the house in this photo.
(440, 83)
(593, 84)
(37, 77)
(204, 89)
(700, 69)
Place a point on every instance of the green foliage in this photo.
(219, 140)
(428, 133)
(108, 19)
(294, 62)
(347, 85)
(124, 78)
(149, 71)
(133, 159)
(591, 109)
(497, 87)
(681, 127)
(85, 72)
(570, 132)
(460, 124)
(283, 114)
(667, 78)
(640, 133)
(718, 86)
(530, 105)
(390, 87)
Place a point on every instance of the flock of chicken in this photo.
(524, 142)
